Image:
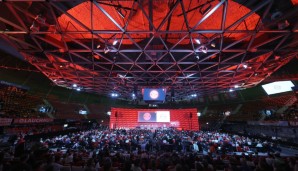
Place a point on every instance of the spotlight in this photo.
(197, 41)
(106, 50)
(203, 49)
(133, 95)
(231, 90)
(245, 66)
(115, 42)
(109, 113)
(236, 86)
(199, 113)
(78, 89)
(74, 85)
(114, 95)
(34, 27)
(40, 19)
(197, 56)
(213, 45)
(98, 46)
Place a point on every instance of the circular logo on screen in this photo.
(147, 116)
(154, 94)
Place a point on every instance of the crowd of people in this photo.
(138, 149)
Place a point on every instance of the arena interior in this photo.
(148, 85)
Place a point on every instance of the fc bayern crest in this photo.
(147, 116)
(154, 94)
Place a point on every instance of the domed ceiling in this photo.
(186, 46)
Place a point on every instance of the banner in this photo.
(154, 116)
(32, 120)
(5, 121)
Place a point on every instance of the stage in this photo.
(127, 118)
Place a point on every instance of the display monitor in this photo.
(154, 94)
(278, 87)
(154, 116)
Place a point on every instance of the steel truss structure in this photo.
(187, 46)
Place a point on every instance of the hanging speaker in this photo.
(172, 92)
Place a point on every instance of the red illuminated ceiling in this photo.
(242, 42)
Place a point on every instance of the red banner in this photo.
(32, 120)
(5, 121)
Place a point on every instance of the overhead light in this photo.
(245, 66)
(236, 86)
(34, 27)
(109, 113)
(197, 41)
(74, 85)
(55, 80)
(40, 19)
(106, 50)
(133, 95)
(199, 113)
(98, 46)
(115, 42)
(203, 49)
(194, 95)
(213, 45)
(231, 90)
(114, 95)
(197, 56)
(78, 89)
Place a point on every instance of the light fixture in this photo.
(74, 85)
(106, 50)
(98, 46)
(199, 113)
(115, 42)
(114, 95)
(231, 90)
(197, 41)
(245, 66)
(133, 95)
(109, 113)
(197, 56)
(203, 49)
(236, 86)
(213, 44)
(193, 95)
(40, 19)
(34, 27)
(78, 89)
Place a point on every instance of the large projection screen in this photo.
(278, 87)
(153, 116)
